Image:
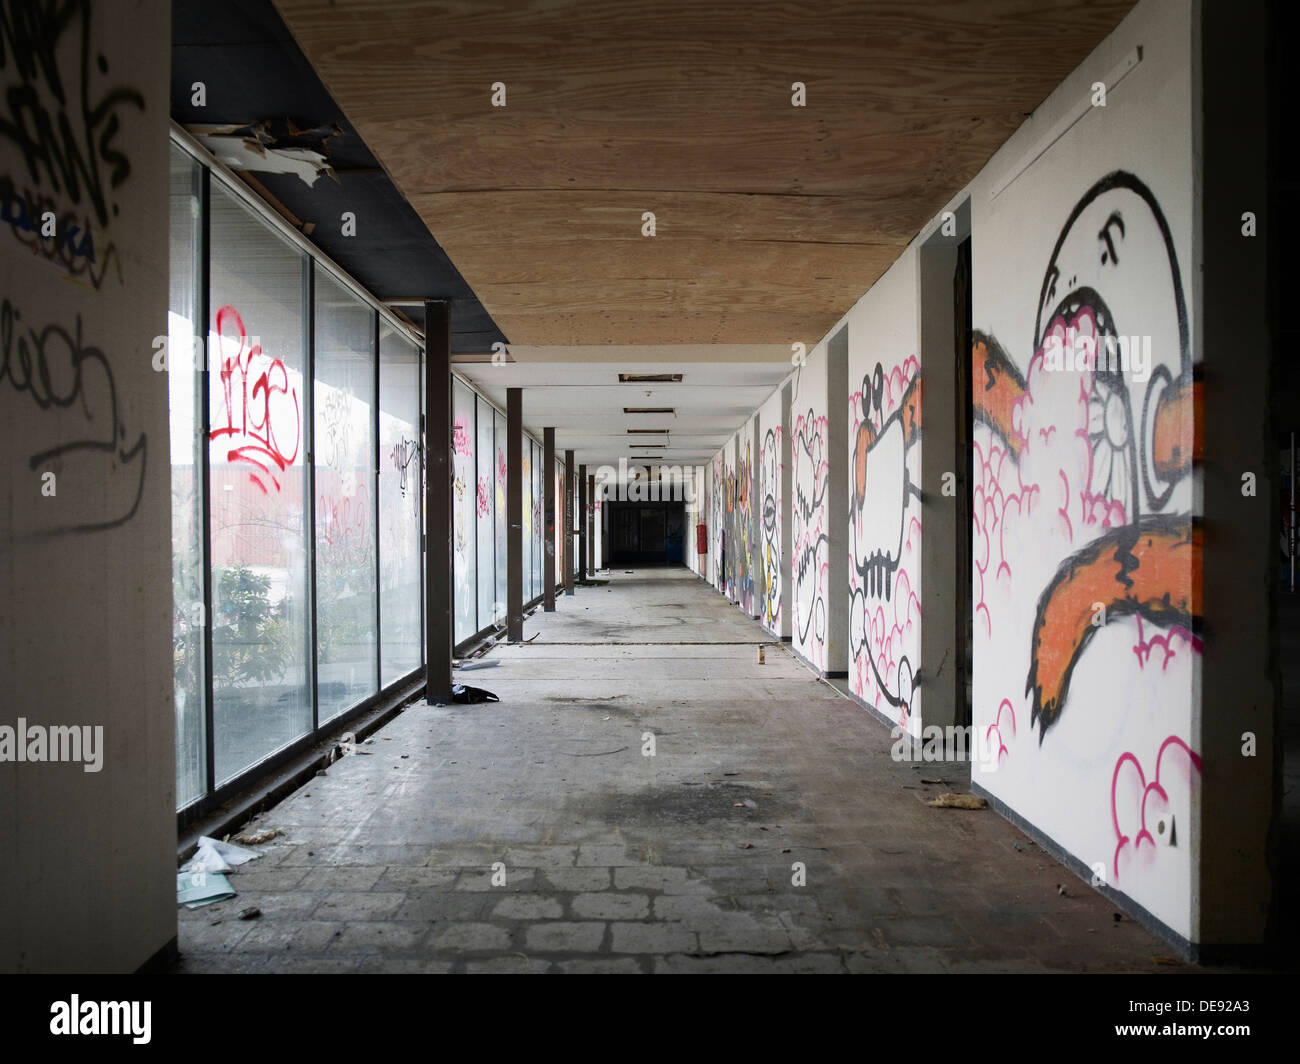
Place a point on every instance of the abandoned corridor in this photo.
(609, 860)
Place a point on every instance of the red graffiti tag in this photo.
(251, 380)
(460, 438)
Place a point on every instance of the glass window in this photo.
(189, 613)
(464, 533)
(526, 513)
(343, 408)
(260, 603)
(535, 540)
(400, 506)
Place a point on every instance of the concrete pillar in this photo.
(439, 574)
(87, 857)
(548, 504)
(945, 518)
(584, 537)
(514, 515)
(1240, 740)
(570, 586)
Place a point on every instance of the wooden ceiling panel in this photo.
(771, 219)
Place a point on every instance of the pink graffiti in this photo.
(252, 429)
(484, 496)
(890, 632)
(460, 438)
(994, 496)
(1145, 648)
(1146, 791)
(344, 526)
(996, 726)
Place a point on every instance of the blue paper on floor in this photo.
(194, 889)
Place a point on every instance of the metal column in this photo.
(514, 515)
(548, 503)
(438, 573)
(591, 525)
(584, 532)
(570, 586)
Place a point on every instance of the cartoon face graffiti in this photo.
(1114, 270)
(769, 474)
(882, 492)
(810, 539)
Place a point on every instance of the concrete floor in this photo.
(619, 862)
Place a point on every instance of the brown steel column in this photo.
(548, 503)
(570, 586)
(583, 532)
(438, 580)
(591, 526)
(514, 515)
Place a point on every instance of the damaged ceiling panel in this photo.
(264, 113)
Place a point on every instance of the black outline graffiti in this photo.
(402, 454)
(876, 573)
(33, 355)
(771, 554)
(32, 34)
(1122, 179)
(807, 557)
(1113, 554)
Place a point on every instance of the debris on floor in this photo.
(256, 838)
(251, 913)
(958, 801)
(466, 695)
(218, 856)
(196, 889)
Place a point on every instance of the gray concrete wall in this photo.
(87, 859)
(943, 476)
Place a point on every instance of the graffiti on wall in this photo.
(1082, 510)
(62, 117)
(66, 239)
(61, 123)
(744, 525)
(884, 537)
(464, 504)
(403, 457)
(717, 512)
(769, 465)
(811, 543)
(64, 374)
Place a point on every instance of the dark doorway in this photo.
(646, 533)
(962, 328)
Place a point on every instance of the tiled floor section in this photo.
(535, 835)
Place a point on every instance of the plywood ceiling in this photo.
(771, 220)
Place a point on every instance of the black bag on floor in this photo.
(465, 694)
